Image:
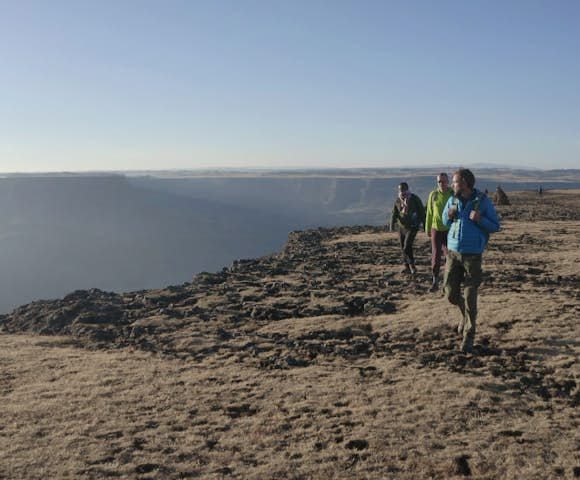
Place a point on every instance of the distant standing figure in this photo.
(408, 214)
(434, 226)
(471, 216)
(540, 190)
(500, 197)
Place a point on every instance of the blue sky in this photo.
(131, 85)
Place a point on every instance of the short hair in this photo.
(403, 186)
(466, 175)
(443, 174)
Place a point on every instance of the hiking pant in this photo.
(438, 249)
(463, 268)
(407, 237)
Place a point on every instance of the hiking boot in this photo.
(435, 285)
(467, 344)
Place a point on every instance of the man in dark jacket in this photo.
(408, 214)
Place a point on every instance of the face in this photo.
(458, 184)
(442, 182)
(402, 191)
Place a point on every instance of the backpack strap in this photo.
(477, 202)
(475, 208)
(434, 196)
(455, 226)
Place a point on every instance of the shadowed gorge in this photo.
(120, 233)
(319, 361)
(59, 234)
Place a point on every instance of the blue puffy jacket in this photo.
(465, 235)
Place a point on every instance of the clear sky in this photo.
(141, 84)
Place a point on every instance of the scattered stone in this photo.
(146, 468)
(462, 465)
(357, 445)
(210, 444)
(243, 410)
(292, 361)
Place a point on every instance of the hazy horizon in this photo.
(258, 169)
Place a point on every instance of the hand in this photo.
(451, 213)
(475, 216)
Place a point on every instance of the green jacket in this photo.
(414, 217)
(435, 205)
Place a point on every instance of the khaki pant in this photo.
(463, 268)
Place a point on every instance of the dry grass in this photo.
(414, 410)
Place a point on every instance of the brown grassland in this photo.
(411, 407)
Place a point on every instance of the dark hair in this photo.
(443, 174)
(403, 186)
(467, 175)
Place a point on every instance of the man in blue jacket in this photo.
(471, 217)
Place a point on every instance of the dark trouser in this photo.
(438, 249)
(407, 237)
(466, 269)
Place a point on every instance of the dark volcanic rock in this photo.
(67, 316)
(462, 465)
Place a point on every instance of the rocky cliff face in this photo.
(312, 277)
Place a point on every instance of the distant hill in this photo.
(335, 197)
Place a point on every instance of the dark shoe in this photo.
(467, 344)
(435, 285)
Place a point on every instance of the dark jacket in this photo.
(413, 219)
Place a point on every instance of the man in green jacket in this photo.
(408, 213)
(434, 226)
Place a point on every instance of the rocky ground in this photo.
(323, 360)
